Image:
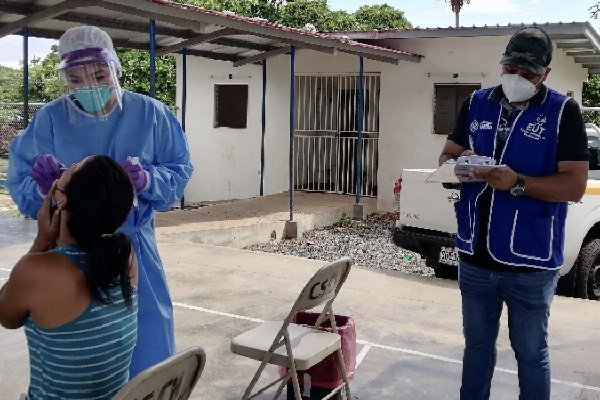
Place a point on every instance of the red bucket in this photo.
(327, 373)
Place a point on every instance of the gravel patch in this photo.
(369, 243)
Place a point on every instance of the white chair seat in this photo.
(298, 347)
(309, 346)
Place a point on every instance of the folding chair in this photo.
(172, 379)
(297, 347)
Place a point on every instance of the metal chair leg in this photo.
(340, 358)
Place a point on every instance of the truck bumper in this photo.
(425, 242)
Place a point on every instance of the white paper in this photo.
(462, 169)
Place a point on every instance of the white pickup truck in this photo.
(426, 225)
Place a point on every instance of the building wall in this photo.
(228, 161)
(407, 94)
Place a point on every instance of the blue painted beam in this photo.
(152, 58)
(292, 114)
(264, 127)
(25, 77)
(359, 127)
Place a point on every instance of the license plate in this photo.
(449, 256)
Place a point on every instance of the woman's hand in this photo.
(48, 221)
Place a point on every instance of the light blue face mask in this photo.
(92, 98)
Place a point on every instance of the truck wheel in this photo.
(587, 280)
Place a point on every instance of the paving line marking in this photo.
(369, 345)
(3, 279)
(363, 352)
(216, 312)
(5, 269)
(454, 361)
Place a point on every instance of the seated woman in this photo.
(75, 290)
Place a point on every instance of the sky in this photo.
(421, 13)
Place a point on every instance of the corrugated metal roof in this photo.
(217, 35)
(578, 39)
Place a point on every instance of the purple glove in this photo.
(45, 171)
(137, 175)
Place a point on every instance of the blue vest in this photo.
(522, 231)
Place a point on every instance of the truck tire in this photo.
(587, 278)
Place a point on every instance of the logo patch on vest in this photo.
(535, 130)
(474, 125)
(483, 126)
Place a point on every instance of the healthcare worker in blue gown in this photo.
(95, 116)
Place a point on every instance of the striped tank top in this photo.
(87, 358)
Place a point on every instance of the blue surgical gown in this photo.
(143, 127)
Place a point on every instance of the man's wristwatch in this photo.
(519, 188)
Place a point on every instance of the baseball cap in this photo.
(529, 48)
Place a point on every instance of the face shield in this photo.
(91, 83)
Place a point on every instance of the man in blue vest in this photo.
(511, 224)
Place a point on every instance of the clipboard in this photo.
(461, 171)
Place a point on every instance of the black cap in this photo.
(529, 48)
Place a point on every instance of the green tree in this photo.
(9, 84)
(136, 77)
(380, 17)
(301, 12)
(44, 81)
(595, 10)
(591, 88)
(340, 21)
(267, 9)
(591, 98)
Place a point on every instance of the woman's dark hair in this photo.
(99, 198)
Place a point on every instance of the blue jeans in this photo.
(528, 298)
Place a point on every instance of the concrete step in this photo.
(249, 222)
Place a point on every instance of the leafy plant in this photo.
(380, 17)
(591, 98)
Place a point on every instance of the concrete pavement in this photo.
(409, 327)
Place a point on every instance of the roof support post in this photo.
(184, 55)
(25, 77)
(292, 114)
(359, 128)
(152, 58)
(264, 127)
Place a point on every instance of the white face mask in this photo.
(516, 88)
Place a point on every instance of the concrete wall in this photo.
(227, 161)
